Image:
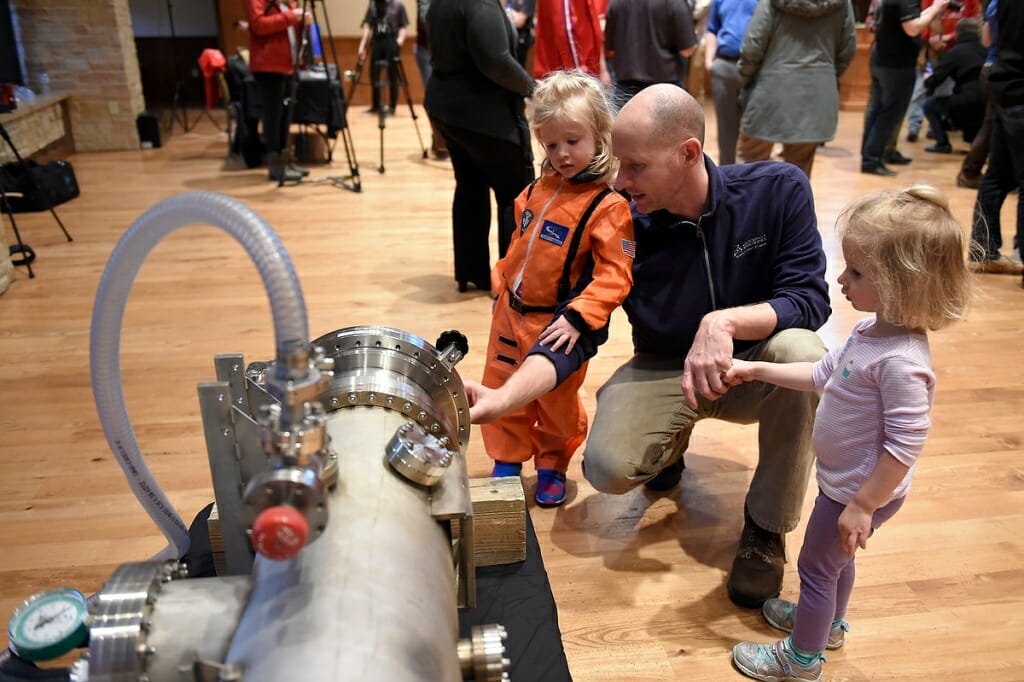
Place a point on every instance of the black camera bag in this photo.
(41, 187)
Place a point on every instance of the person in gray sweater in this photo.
(792, 56)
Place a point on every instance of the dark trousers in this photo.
(1005, 173)
(273, 87)
(936, 110)
(482, 164)
(891, 90)
(384, 58)
(975, 159)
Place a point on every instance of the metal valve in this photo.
(417, 455)
(482, 654)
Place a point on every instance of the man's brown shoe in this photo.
(757, 569)
(996, 266)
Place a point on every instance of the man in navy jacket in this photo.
(728, 264)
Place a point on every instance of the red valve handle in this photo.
(280, 532)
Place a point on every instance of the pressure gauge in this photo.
(49, 624)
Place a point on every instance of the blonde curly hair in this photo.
(916, 251)
(573, 96)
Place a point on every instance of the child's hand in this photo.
(560, 332)
(740, 372)
(854, 528)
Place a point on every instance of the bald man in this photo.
(728, 265)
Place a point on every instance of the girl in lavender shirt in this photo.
(904, 255)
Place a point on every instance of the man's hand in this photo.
(854, 527)
(484, 406)
(710, 357)
(560, 332)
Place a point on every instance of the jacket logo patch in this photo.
(525, 220)
(554, 233)
(753, 243)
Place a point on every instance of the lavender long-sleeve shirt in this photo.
(877, 397)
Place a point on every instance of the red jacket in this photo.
(270, 51)
(948, 20)
(568, 36)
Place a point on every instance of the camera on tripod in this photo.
(383, 32)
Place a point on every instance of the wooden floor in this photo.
(639, 579)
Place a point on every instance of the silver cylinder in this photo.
(193, 620)
(374, 598)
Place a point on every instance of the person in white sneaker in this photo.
(905, 262)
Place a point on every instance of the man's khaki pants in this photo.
(642, 425)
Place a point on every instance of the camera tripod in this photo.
(27, 254)
(178, 112)
(391, 60)
(303, 47)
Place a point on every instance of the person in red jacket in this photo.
(570, 35)
(273, 30)
(571, 257)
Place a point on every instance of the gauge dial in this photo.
(49, 625)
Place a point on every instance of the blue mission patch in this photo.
(554, 233)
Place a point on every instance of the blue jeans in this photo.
(1005, 173)
(915, 109)
(891, 89)
(827, 572)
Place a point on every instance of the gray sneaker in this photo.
(774, 663)
(780, 613)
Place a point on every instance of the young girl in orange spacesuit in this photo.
(569, 265)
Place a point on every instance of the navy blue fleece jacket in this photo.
(757, 242)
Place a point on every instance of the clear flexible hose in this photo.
(287, 307)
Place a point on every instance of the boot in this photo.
(279, 170)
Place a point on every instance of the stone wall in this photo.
(86, 47)
(33, 127)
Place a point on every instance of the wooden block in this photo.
(499, 520)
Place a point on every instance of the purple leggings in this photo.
(826, 572)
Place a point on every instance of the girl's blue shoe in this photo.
(503, 469)
(550, 487)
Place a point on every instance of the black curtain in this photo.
(10, 66)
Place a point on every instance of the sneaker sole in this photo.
(749, 672)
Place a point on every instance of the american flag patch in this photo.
(629, 247)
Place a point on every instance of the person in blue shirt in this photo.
(727, 24)
(728, 264)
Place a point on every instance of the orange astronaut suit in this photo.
(528, 277)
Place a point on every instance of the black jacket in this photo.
(476, 83)
(1006, 80)
(962, 63)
